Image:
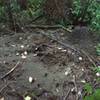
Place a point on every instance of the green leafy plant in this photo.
(98, 49)
(88, 88)
(34, 6)
(2, 13)
(91, 95)
(95, 9)
(84, 12)
(87, 11)
(97, 69)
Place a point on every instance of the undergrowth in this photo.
(90, 93)
(87, 11)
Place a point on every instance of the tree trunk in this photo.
(57, 9)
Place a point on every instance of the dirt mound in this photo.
(57, 73)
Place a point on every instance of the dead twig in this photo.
(9, 72)
(5, 86)
(76, 88)
(65, 98)
(89, 58)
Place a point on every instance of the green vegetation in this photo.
(91, 95)
(98, 49)
(87, 12)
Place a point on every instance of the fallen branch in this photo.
(65, 98)
(9, 72)
(58, 41)
(48, 27)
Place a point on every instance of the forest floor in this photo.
(45, 67)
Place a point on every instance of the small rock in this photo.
(63, 50)
(83, 81)
(80, 58)
(23, 57)
(30, 79)
(68, 70)
(74, 90)
(36, 48)
(13, 45)
(25, 53)
(28, 98)
(79, 93)
(59, 48)
(57, 90)
(17, 54)
(22, 46)
(66, 73)
(98, 74)
(34, 55)
(20, 38)
(82, 69)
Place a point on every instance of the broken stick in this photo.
(9, 72)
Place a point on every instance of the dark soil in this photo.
(57, 72)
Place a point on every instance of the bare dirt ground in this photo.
(33, 64)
